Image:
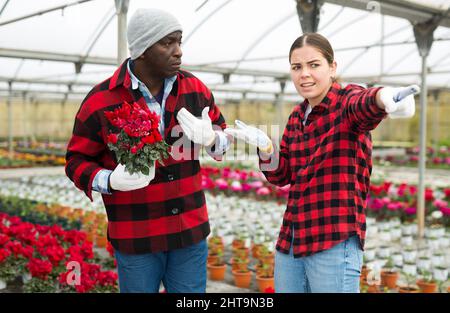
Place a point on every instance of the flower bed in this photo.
(50, 259)
(435, 158)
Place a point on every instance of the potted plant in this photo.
(424, 262)
(397, 259)
(427, 284)
(409, 272)
(7, 271)
(217, 268)
(101, 239)
(389, 275)
(239, 263)
(406, 240)
(242, 275)
(265, 277)
(409, 255)
(437, 259)
(384, 251)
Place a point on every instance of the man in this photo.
(157, 223)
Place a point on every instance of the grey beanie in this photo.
(146, 27)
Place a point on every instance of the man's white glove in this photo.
(399, 102)
(251, 135)
(198, 130)
(121, 180)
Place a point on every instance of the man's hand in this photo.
(121, 180)
(199, 131)
(399, 102)
(251, 135)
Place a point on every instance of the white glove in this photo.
(199, 131)
(399, 102)
(121, 180)
(251, 135)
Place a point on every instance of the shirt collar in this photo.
(135, 81)
(327, 101)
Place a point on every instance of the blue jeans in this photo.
(333, 270)
(180, 270)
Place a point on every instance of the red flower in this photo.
(39, 268)
(4, 254)
(15, 247)
(110, 249)
(55, 254)
(3, 239)
(74, 237)
(107, 278)
(429, 195)
(269, 290)
(113, 138)
(57, 231)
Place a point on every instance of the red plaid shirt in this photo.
(171, 212)
(328, 164)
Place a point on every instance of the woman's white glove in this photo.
(198, 130)
(121, 180)
(251, 135)
(399, 102)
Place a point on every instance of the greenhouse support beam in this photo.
(122, 11)
(423, 33)
(9, 105)
(279, 99)
(309, 14)
(412, 11)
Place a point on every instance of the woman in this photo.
(325, 155)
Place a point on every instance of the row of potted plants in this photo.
(439, 158)
(240, 263)
(92, 223)
(27, 159)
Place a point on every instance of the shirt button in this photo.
(306, 136)
(175, 211)
(170, 177)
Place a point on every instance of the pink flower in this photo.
(440, 203)
(263, 191)
(256, 184)
(411, 211)
(221, 184)
(376, 204)
(445, 211)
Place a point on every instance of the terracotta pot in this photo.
(426, 287)
(242, 279)
(241, 252)
(239, 265)
(217, 272)
(237, 243)
(364, 272)
(101, 241)
(408, 290)
(90, 236)
(389, 279)
(255, 250)
(212, 259)
(264, 283)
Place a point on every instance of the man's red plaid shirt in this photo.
(171, 212)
